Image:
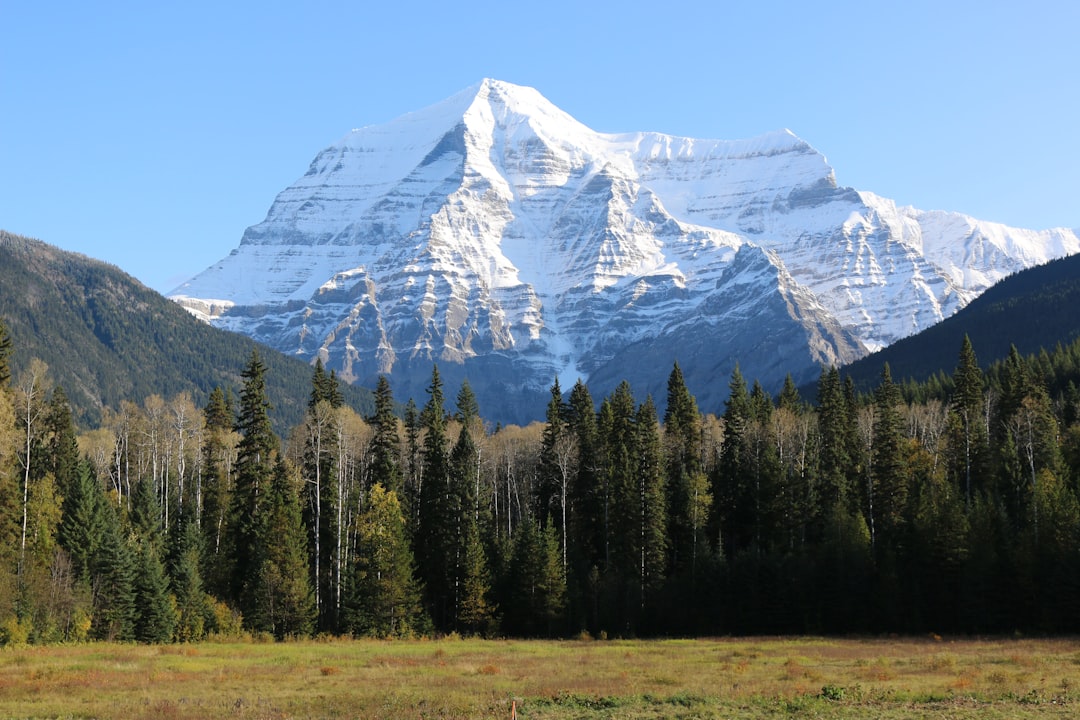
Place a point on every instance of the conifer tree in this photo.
(282, 601)
(155, 615)
(682, 434)
(967, 429)
(83, 524)
(112, 578)
(537, 590)
(835, 457)
(732, 520)
(384, 600)
(186, 582)
(652, 544)
(558, 456)
(888, 471)
(438, 513)
(386, 443)
(586, 522)
(256, 454)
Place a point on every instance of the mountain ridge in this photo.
(494, 232)
(107, 338)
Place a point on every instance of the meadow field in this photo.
(453, 678)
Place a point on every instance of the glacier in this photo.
(494, 234)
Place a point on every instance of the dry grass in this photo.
(754, 678)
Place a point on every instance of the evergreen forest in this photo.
(947, 507)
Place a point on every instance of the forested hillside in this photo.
(839, 513)
(1033, 309)
(107, 338)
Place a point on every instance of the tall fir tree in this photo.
(652, 543)
(685, 470)
(282, 602)
(384, 597)
(256, 453)
(536, 597)
(889, 491)
(438, 513)
(386, 443)
(155, 615)
(966, 423)
(112, 571)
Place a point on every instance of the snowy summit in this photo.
(496, 235)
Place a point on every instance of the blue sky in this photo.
(150, 135)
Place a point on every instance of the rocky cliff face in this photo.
(497, 236)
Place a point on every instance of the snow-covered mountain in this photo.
(496, 235)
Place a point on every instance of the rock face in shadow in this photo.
(497, 236)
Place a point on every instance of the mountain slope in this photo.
(1033, 309)
(107, 338)
(498, 236)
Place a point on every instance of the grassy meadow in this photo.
(708, 678)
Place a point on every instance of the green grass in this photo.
(725, 678)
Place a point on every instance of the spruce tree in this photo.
(186, 582)
(652, 544)
(83, 525)
(537, 590)
(890, 488)
(967, 428)
(682, 435)
(439, 513)
(386, 443)
(557, 459)
(283, 603)
(257, 450)
(155, 615)
(112, 571)
(384, 599)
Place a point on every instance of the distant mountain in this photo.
(1034, 309)
(108, 338)
(498, 236)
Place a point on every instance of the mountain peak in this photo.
(495, 234)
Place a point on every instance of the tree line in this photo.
(888, 511)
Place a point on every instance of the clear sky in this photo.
(151, 134)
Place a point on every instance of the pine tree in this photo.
(888, 465)
(967, 429)
(835, 456)
(83, 525)
(732, 519)
(558, 456)
(257, 450)
(155, 614)
(112, 576)
(475, 611)
(385, 598)
(283, 603)
(586, 522)
(438, 513)
(682, 434)
(537, 588)
(386, 444)
(652, 545)
(187, 584)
